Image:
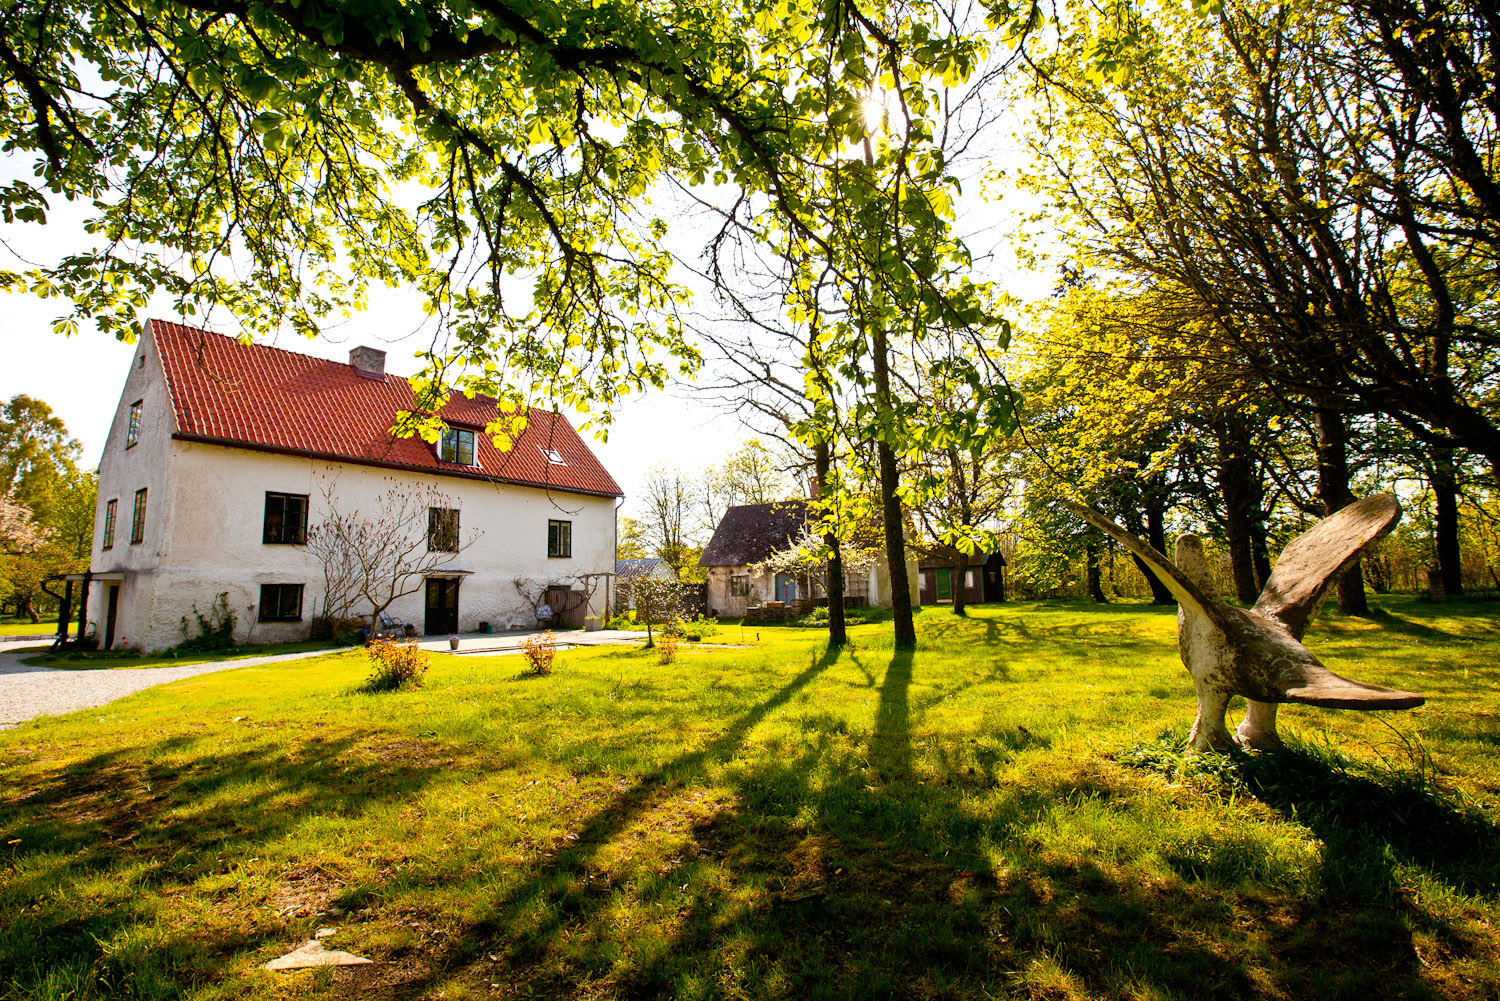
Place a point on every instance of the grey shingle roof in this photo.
(750, 533)
(626, 569)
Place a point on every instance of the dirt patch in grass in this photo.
(400, 978)
(413, 753)
(304, 891)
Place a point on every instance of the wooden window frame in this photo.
(451, 446)
(276, 596)
(108, 540)
(442, 529)
(739, 585)
(282, 536)
(138, 518)
(133, 424)
(559, 539)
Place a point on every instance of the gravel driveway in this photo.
(27, 692)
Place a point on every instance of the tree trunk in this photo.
(1334, 492)
(838, 633)
(1445, 491)
(960, 574)
(1156, 538)
(1261, 551)
(25, 608)
(904, 629)
(1091, 558)
(1241, 503)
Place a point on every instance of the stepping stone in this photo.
(311, 953)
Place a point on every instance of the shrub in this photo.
(215, 630)
(625, 620)
(343, 630)
(666, 648)
(540, 650)
(397, 665)
(818, 617)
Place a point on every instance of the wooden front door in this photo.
(111, 611)
(944, 582)
(442, 605)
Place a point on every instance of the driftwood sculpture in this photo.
(1258, 653)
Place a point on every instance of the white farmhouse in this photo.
(222, 455)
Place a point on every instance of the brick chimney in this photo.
(368, 362)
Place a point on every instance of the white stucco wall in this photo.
(725, 605)
(209, 541)
(123, 471)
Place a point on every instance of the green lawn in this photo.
(1002, 814)
(43, 628)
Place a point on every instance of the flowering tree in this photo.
(657, 602)
(807, 556)
(21, 543)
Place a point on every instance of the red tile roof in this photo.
(255, 396)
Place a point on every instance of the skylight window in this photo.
(553, 456)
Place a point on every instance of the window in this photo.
(133, 429)
(281, 603)
(456, 445)
(138, 519)
(968, 578)
(442, 530)
(559, 538)
(553, 456)
(286, 519)
(739, 586)
(109, 524)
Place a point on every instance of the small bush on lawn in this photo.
(666, 648)
(540, 650)
(397, 665)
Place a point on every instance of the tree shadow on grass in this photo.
(820, 879)
(96, 837)
(811, 878)
(1406, 625)
(890, 745)
(1366, 823)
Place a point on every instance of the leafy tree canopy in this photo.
(279, 158)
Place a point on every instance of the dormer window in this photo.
(456, 445)
(553, 456)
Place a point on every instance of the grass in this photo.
(89, 660)
(43, 628)
(1007, 812)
